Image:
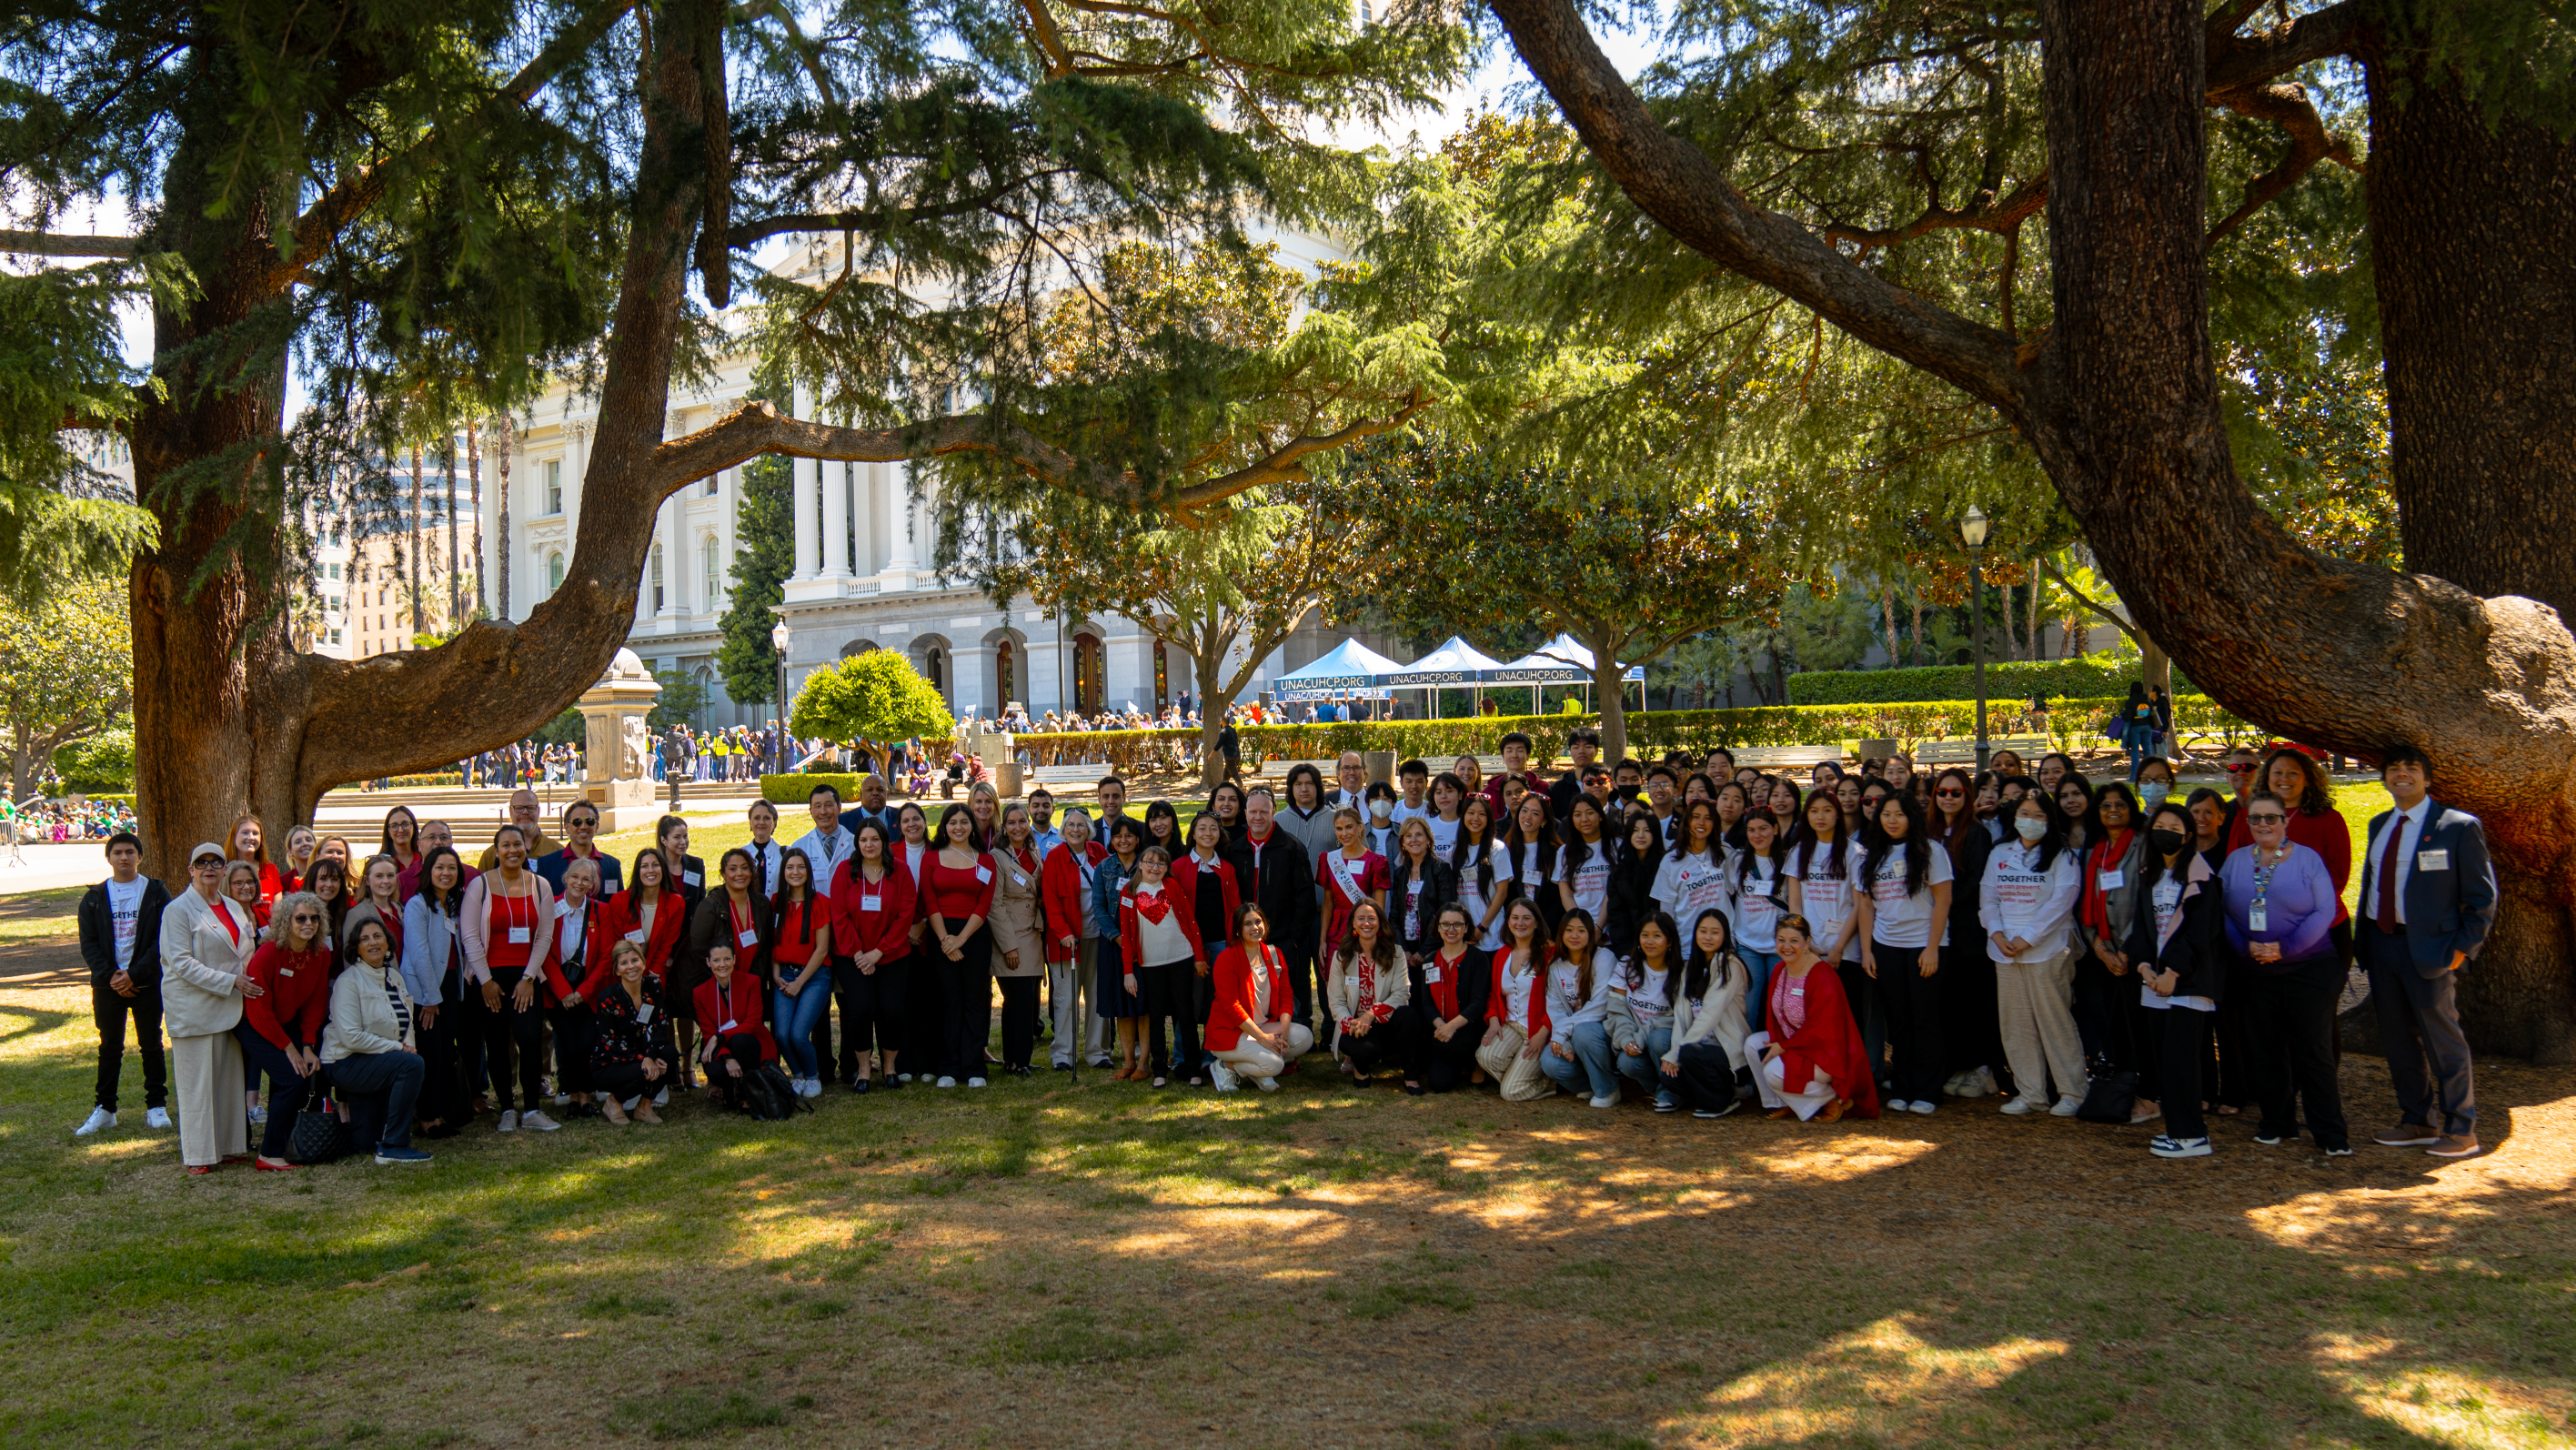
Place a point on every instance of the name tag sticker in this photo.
(2433, 860)
(726, 1025)
(871, 903)
(636, 936)
(983, 873)
(518, 936)
(2111, 879)
(749, 937)
(644, 1014)
(1431, 973)
(693, 878)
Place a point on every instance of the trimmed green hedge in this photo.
(2071, 721)
(785, 790)
(2091, 677)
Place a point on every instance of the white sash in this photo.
(1342, 876)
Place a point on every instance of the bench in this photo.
(1964, 752)
(1789, 755)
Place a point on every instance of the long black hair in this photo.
(446, 901)
(2155, 868)
(2051, 841)
(1698, 966)
(1779, 853)
(1804, 843)
(1634, 967)
(1876, 843)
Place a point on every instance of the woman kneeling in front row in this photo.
(1707, 1060)
(630, 1045)
(734, 1040)
(1252, 1029)
(1372, 1001)
(1813, 1063)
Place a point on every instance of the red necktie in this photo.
(2390, 858)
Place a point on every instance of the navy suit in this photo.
(2448, 894)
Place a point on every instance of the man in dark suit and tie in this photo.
(2428, 900)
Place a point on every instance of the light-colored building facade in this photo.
(863, 576)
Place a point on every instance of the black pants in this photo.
(2182, 1042)
(1306, 977)
(381, 1088)
(1019, 1019)
(1168, 992)
(1862, 994)
(573, 1040)
(2419, 1027)
(965, 1001)
(873, 1015)
(514, 1028)
(625, 1081)
(1913, 1005)
(111, 1010)
(1387, 1044)
(923, 1047)
(2289, 1034)
(1707, 1079)
(288, 1090)
(1971, 1029)
(742, 1048)
(1445, 1066)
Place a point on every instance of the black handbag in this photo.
(2112, 1098)
(319, 1136)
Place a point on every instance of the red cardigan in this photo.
(670, 918)
(1830, 1042)
(1060, 896)
(598, 954)
(750, 1008)
(296, 996)
(888, 929)
(1498, 1002)
(1183, 878)
(1234, 998)
(1131, 937)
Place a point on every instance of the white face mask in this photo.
(1381, 808)
(2030, 830)
(2154, 793)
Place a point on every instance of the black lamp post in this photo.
(1972, 533)
(778, 638)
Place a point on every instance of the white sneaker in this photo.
(2067, 1108)
(813, 1087)
(98, 1118)
(662, 1099)
(974, 1082)
(1266, 1084)
(536, 1121)
(1223, 1076)
(1922, 1107)
(1605, 1100)
(903, 1077)
(563, 1100)
(156, 1118)
(2016, 1108)
(1986, 1085)
(258, 1116)
(510, 1122)
(947, 1082)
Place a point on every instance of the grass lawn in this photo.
(1099, 1264)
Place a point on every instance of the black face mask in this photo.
(2166, 842)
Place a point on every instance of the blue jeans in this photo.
(1757, 989)
(2136, 739)
(1590, 1043)
(1647, 1070)
(794, 1018)
(394, 1075)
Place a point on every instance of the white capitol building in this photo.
(862, 577)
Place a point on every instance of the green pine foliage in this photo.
(764, 532)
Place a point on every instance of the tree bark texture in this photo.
(2473, 251)
(2120, 403)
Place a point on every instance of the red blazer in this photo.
(1498, 1002)
(670, 919)
(1233, 983)
(888, 929)
(1183, 879)
(296, 996)
(1830, 1042)
(1060, 896)
(1131, 937)
(750, 1008)
(598, 958)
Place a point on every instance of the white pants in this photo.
(1069, 987)
(206, 1079)
(1255, 1061)
(2034, 1007)
(1522, 1079)
(1772, 1078)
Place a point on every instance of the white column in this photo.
(807, 493)
(836, 521)
(866, 514)
(904, 554)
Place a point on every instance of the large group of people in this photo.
(1684, 932)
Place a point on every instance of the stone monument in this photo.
(617, 761)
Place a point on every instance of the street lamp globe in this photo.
(778, 637)
(1972, 529)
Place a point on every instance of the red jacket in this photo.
(1131, 937)
(888, 929)
(1183, 879)
(598, 957)
(296, 996)
(1234, 997)
(670, 918)
(1829, 1043)
(1061, 898)
(750, 1011)
(1498, 1002)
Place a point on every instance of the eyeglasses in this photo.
(205, 862)
(2265, 820)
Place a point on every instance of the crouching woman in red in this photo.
(1252, 1029)
(733, 1026)
(1813, 1064)
(630, 1046)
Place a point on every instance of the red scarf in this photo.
(1028, 862)
(2094, 910)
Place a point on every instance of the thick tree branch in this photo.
(1286, 463)
(2285, 105)
(757, 428)
(60, 244)
(2002, 217)
(2237, 61)
(1682, 189)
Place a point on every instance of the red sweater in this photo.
(955, 894)
(750, 1010)
(1232, 981)
(1828, 1043)
(1131, 937)
(888, 929)
(297, 995)
(1062, 898)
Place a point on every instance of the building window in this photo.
(554, 571)
(335, 604)
(712, 567)
(657, 577)
(1090, 663)
(554, 485)
(335, 571)
(335, 636)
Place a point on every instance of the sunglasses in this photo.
(2265, 820)
(307, 920)
(1953, 793)
(204, 863)
(2238, 769)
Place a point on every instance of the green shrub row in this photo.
(2091, 677)
(796, 790)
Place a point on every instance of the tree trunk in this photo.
(474, 483)
(455, 577)
(2036, 642)
(2473, 252)
(502, 444)
(1887, 606)
(1611, 695)
(1919, 657)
